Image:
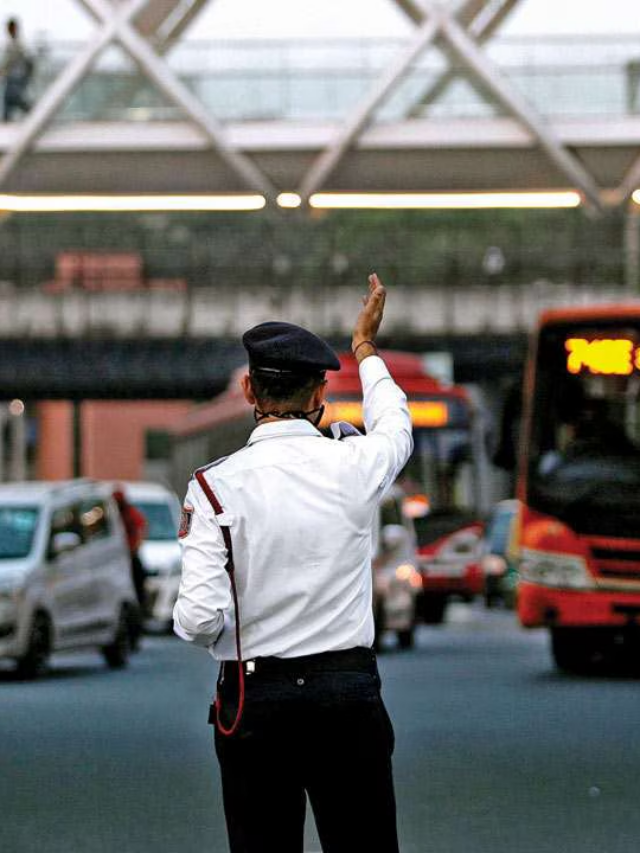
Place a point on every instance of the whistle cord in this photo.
(230, 567)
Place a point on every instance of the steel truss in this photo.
(148, 29)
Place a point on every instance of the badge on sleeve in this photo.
(185, 521)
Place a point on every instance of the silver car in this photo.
(65, 575)
(160, 552)
(396, 580)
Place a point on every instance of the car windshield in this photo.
(440, 523)
(17, 529)
(498, 535)
(161, 525)
(585, 438)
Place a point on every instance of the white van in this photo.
(160, 552)
(65, 574)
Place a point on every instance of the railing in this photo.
(314, 81)
(226, 312)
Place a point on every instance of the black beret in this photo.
(284, 347)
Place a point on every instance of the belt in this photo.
(358, 659)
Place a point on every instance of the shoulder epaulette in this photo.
(343, 429)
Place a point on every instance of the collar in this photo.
(283, 429)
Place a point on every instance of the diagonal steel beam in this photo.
(489, 76)
(325, 164)
(413, 9)
(154, 15)
(176, 25)
(37, 120)
(167, 82)
(481, 27)
(629, 183)
(163, 22)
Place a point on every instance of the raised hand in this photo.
(369, 319)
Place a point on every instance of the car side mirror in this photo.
(61, 543)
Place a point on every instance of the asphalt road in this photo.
(495, 752)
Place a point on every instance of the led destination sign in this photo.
(602, 356)
(424, 413)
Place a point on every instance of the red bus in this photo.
(442, 467)
(578, 484)
(442, 418)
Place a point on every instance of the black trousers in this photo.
(14, 100)
(312, 727)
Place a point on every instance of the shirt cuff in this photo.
(372, 369)
(180, 632)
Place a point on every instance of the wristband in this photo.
(362, 343)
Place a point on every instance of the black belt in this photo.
(358, 659)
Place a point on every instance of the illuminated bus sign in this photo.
(424, 413)
(602, 356)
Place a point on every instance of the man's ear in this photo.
(247, 390)
(319, 394)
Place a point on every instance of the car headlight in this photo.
(9, 599)
(407, 573)
(558, 570)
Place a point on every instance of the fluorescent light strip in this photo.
(289, 200)
(463, 201)
(124, 203)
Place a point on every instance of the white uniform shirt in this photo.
(300, 508)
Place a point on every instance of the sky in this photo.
(334, 18)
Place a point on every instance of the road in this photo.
(495, 753)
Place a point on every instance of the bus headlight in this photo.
(558, 570)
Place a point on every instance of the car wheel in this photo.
(135, 628)
(36, 658)
(575, 650)
(433, 609)
(405, 638)
(116, 654)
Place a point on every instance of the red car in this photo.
(448, 560)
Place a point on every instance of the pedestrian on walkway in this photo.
(276, 574)
(17, 70)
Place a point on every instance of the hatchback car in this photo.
(65, 575)
(448, 554)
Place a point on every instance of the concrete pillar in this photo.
(54, 450)
(17, 441)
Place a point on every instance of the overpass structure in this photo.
(170, 345)
(136, 109)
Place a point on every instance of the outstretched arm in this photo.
(369, 319)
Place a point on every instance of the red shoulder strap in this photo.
(218, 510)
(226, 535)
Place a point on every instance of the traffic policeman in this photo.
(277, 585)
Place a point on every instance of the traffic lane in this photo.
(98, 761)
(494, 752)
(498, 753)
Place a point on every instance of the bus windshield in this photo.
(584, 453)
